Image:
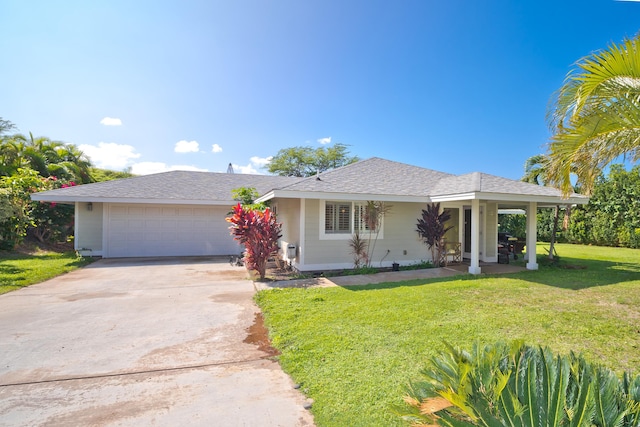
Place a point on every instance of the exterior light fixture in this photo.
(89, 206)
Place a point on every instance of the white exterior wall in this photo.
(88, 229)
(491, 234)
(399, 243)
(288, 213)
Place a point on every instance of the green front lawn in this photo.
(353, 349)
(20, 270)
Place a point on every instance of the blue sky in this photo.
(456, 86)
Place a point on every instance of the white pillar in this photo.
(76, 221)
(301, 239)
(474, 267)
(532, 235)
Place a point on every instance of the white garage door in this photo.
(168, 230)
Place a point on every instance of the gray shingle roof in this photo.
(373, 176)
(485, 183)
(174, 185)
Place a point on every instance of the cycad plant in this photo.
(519, 385)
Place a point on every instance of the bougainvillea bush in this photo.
(259, 232)
(19, 214)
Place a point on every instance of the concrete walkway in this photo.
(140, 342)
(388, 277)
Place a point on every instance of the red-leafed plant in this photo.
(432, 228)
(259, 232)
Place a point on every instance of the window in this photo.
(337, 218)
(359, 221)
(341, 219)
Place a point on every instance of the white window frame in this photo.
(364, 233)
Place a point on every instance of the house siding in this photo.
(399, 244)
(491, 235)
(288, 213)
(88, 233)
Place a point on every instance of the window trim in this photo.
(347, 235)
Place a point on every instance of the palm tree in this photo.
(47, 157)
(535, 169)
(595, 115)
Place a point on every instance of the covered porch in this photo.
(475, 230)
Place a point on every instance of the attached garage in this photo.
(177, 213)
(134, 230)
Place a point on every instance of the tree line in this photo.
(31, 164)
(611, 218)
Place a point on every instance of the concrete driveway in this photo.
(140, 342)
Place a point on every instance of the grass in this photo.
(353, 349)
(18, 270)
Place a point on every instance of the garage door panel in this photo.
(151, 212)
(165, 230)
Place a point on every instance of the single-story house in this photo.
(182, 213)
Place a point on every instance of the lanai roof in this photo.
(382, 179)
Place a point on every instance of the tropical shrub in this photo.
(16, 190)
(20, 215)
(432, 227)
(519, 385)
(247, 196)
(372, 216)
(52, 221)
(259, 232)
(358, 247)
(613, 214)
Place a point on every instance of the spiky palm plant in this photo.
(519, 385)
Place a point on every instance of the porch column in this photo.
(474, 267)
(532, 235)
(301, 239)
(76, 208)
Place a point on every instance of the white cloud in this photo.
(109, 155)
(255, 164)
(111, 121)
(261, 161)
(245, 169)
(215, 148)
(325, 141)
(147, 168)
(187, 147)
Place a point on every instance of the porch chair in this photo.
(450, 250)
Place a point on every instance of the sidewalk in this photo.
(388, 276)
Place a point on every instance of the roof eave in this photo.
(323, 195)
(517, 198)
(41, 197)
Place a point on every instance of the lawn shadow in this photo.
(579, 273)
(570, 273)
(10, 269)
(409, 283)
